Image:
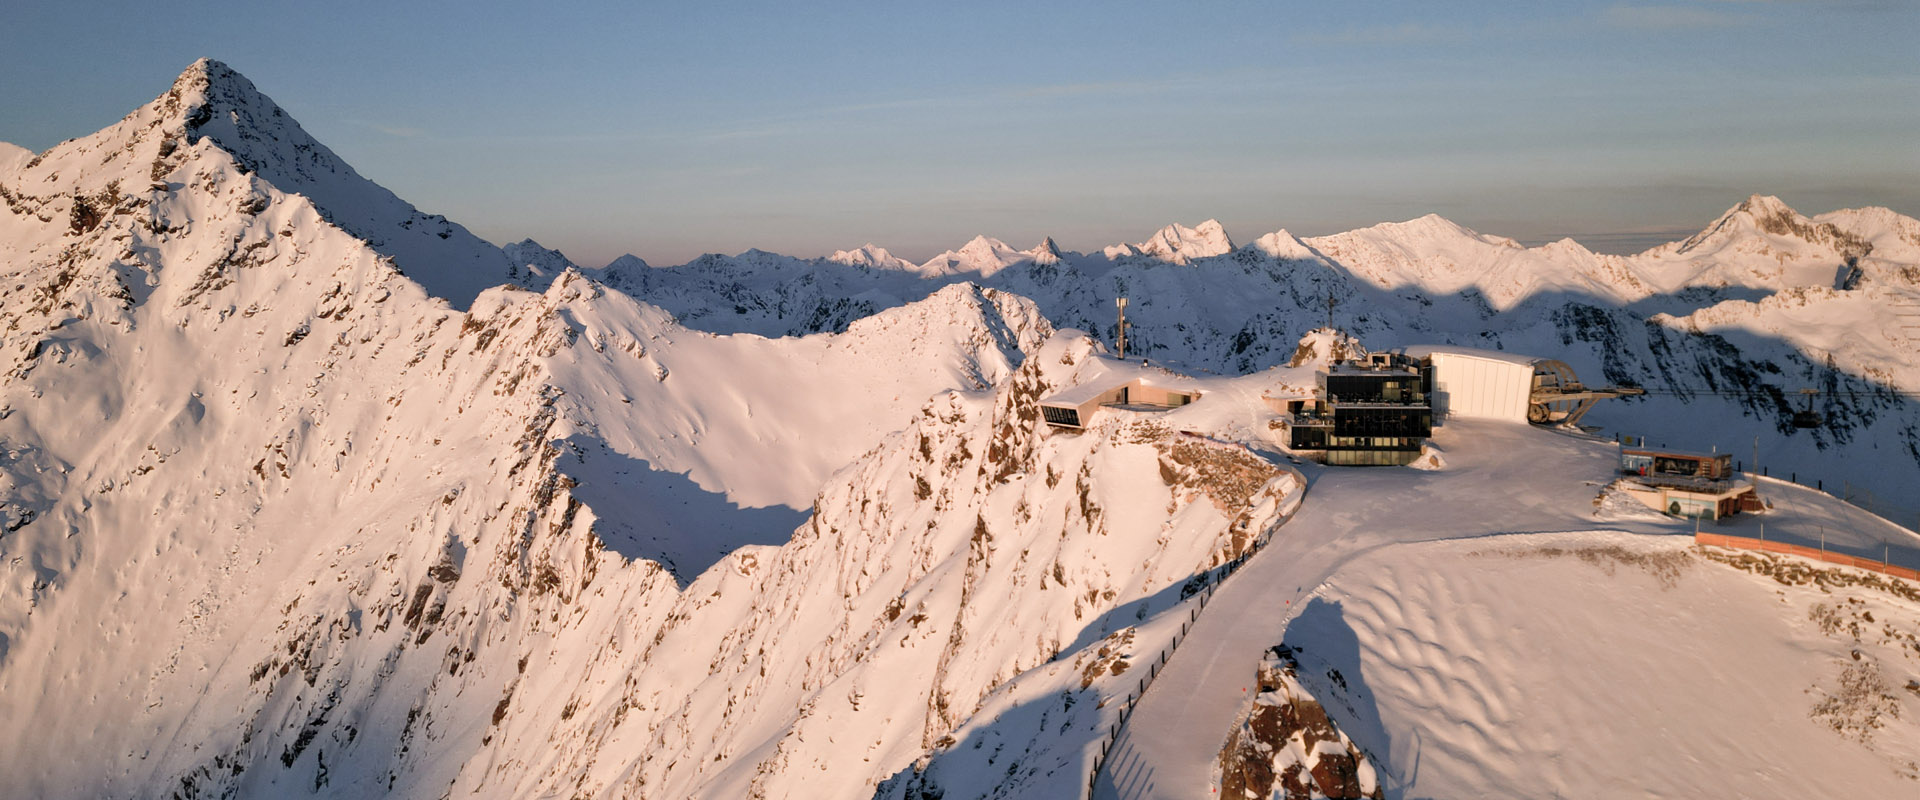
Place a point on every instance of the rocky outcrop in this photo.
(1287, 746)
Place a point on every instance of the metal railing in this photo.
(1203, 585)
(1688, 482)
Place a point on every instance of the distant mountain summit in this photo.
(983, 256)
(1761, 243)
(531, 263)
(872, 255)
(1759, 216)
(1178, 244)
(276, 521)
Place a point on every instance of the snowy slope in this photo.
(324, 534)
(1559, 646)
(276, 518)
(686, 430)
(1615, 666)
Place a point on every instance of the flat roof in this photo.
(1083, 392)
(1426, 350)
(1114, 374)
(1362, 369)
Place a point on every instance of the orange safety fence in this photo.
(1817, 554)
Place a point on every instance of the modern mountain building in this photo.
(1471, 383)
(1379, 410)
(1692, 485)
(1367, 413)
(1477, 384)
(1124, 385)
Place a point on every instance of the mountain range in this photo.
(306, 491)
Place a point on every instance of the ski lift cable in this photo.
(1849, 393)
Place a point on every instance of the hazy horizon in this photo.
(669, 132)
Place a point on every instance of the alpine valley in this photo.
(304, 491)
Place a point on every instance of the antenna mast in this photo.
(1120, 330)
(1339, 352)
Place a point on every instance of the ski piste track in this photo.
(1499, 479)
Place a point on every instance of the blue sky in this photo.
(672, 129)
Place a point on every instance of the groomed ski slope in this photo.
(1423, 634)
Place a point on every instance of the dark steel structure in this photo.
(1374, 414)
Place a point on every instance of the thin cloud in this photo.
(1840, 5)
(804, 121)
(759, 132)
(1101, 88)
(396, 131)
(1670, 18)
(1401, 34)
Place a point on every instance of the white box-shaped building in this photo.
(1478, 384)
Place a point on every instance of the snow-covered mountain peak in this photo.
(755, 255)
(872, 255)
(12, 156)
(1441, 257)
(1567, 246)
(1436, 228)
(532, 262)
(209, 92)
(984, 255)
(1760, 243)
(1787, 231)
(214, 118)
(1893, 236)
(1046, 252)
(626, 261)
(1178, 244)
(212, 101)
(1752, 215)
(983, 244)
(1283, 246)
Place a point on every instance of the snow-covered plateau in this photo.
(304, 491)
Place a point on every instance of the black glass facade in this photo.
(1387, 386)
(1375, 418)
(1373, 422)
(1061, 416)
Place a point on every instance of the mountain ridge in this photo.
(211, 105)
(276, 518)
